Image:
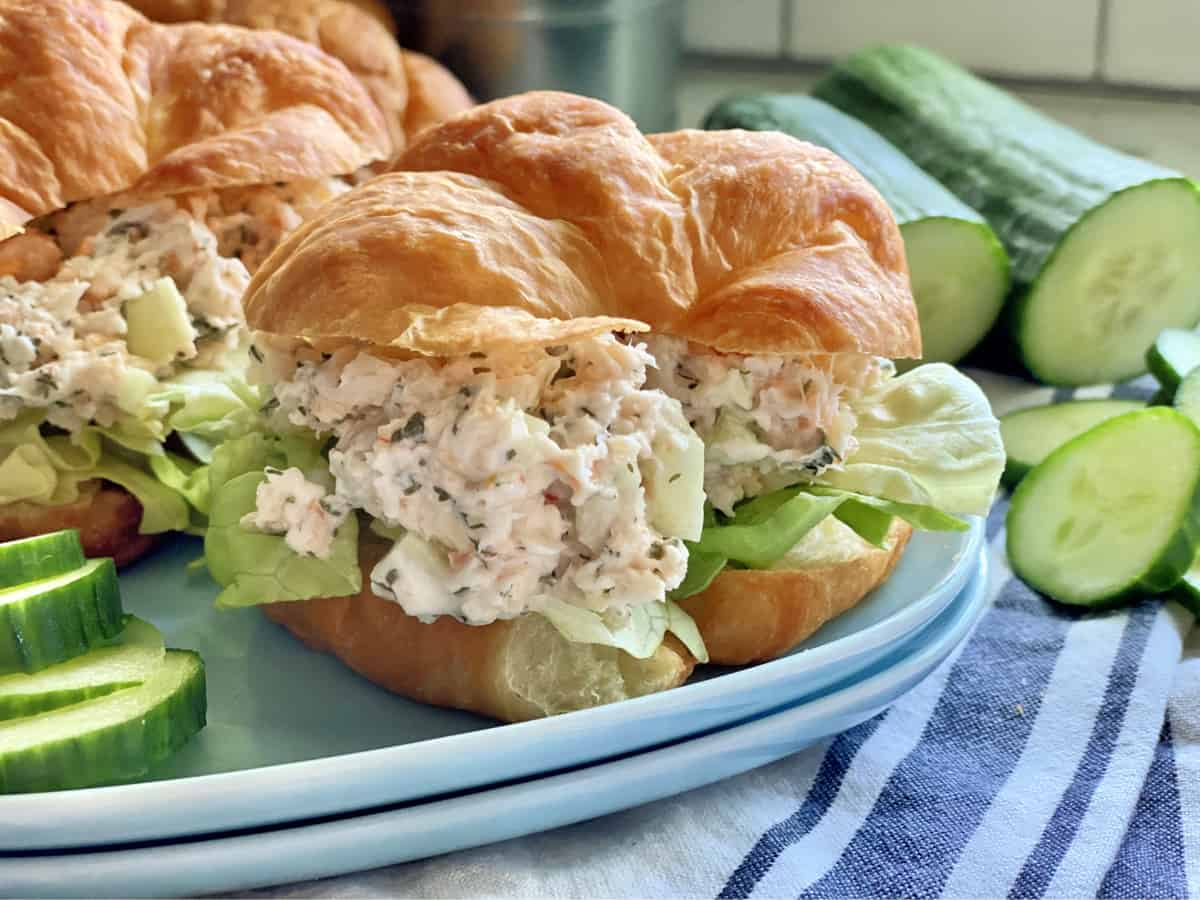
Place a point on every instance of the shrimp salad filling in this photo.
(513, 480)
(95, 299)
(767, 422)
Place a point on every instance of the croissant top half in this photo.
(553, 206)
(97, 100)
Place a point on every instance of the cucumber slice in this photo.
(959, 274)
(1175, 352)
(52, 620)
(94, 674)
(113, 738)
(674, 484)
(1111, 512)
(1125, 272)
(958, 267)
(1102, 243)
(1187, 397)
(1030, 435)
(38, 557)
(159, 326)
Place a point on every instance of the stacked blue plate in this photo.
(294, 737)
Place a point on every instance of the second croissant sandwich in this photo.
(551, 376)
(145, 171)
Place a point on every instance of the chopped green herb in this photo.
(414, 428)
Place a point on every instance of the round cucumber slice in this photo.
(52, 620)
(959, 273)
(1173, 355)
(1030, 435)
(95, 674)
(1187, 396)
(1112, 512)
(1123, 273)
(38, 557)
(113, 738)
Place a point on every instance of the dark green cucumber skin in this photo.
(37, 632)
(1032, 178)
(39, 557)
(1167, 571)
(114, 754)
(911, 192)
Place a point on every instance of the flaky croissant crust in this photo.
(411, 90)
(97, 101)
(557, 206)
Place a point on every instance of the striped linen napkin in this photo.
(1055, 754)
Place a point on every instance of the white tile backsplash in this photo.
(741, 27)
(1026, 38)
(1153, 42)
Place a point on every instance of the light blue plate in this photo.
(413, 831)
(293, 734)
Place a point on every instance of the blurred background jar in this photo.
(623, 51)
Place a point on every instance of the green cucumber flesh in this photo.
(959, 274)
(1032, 434)
(111, 739)
(38, 557)
(1111, 513)
(95, 674)
(1187, 397)
(959, 268)
(1174, 353)
(1124, 273)
(50, 621)
(1102, 243)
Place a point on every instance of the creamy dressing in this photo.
(766, 421)
(519, 472)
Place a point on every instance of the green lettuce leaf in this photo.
(684, 627)
(927, 438)
(162, 508)
(702, 568)
(45, 470)
(638, 630)
(210, 405)
(763, 530)
(872, 517)
(766, 528)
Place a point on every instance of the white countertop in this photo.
(1166, 131)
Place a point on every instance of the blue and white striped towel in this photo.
(1055, 754)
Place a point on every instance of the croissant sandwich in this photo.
(559, 408)
(145, 171)
(410, 89)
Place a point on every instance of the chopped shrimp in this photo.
(32, 256)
